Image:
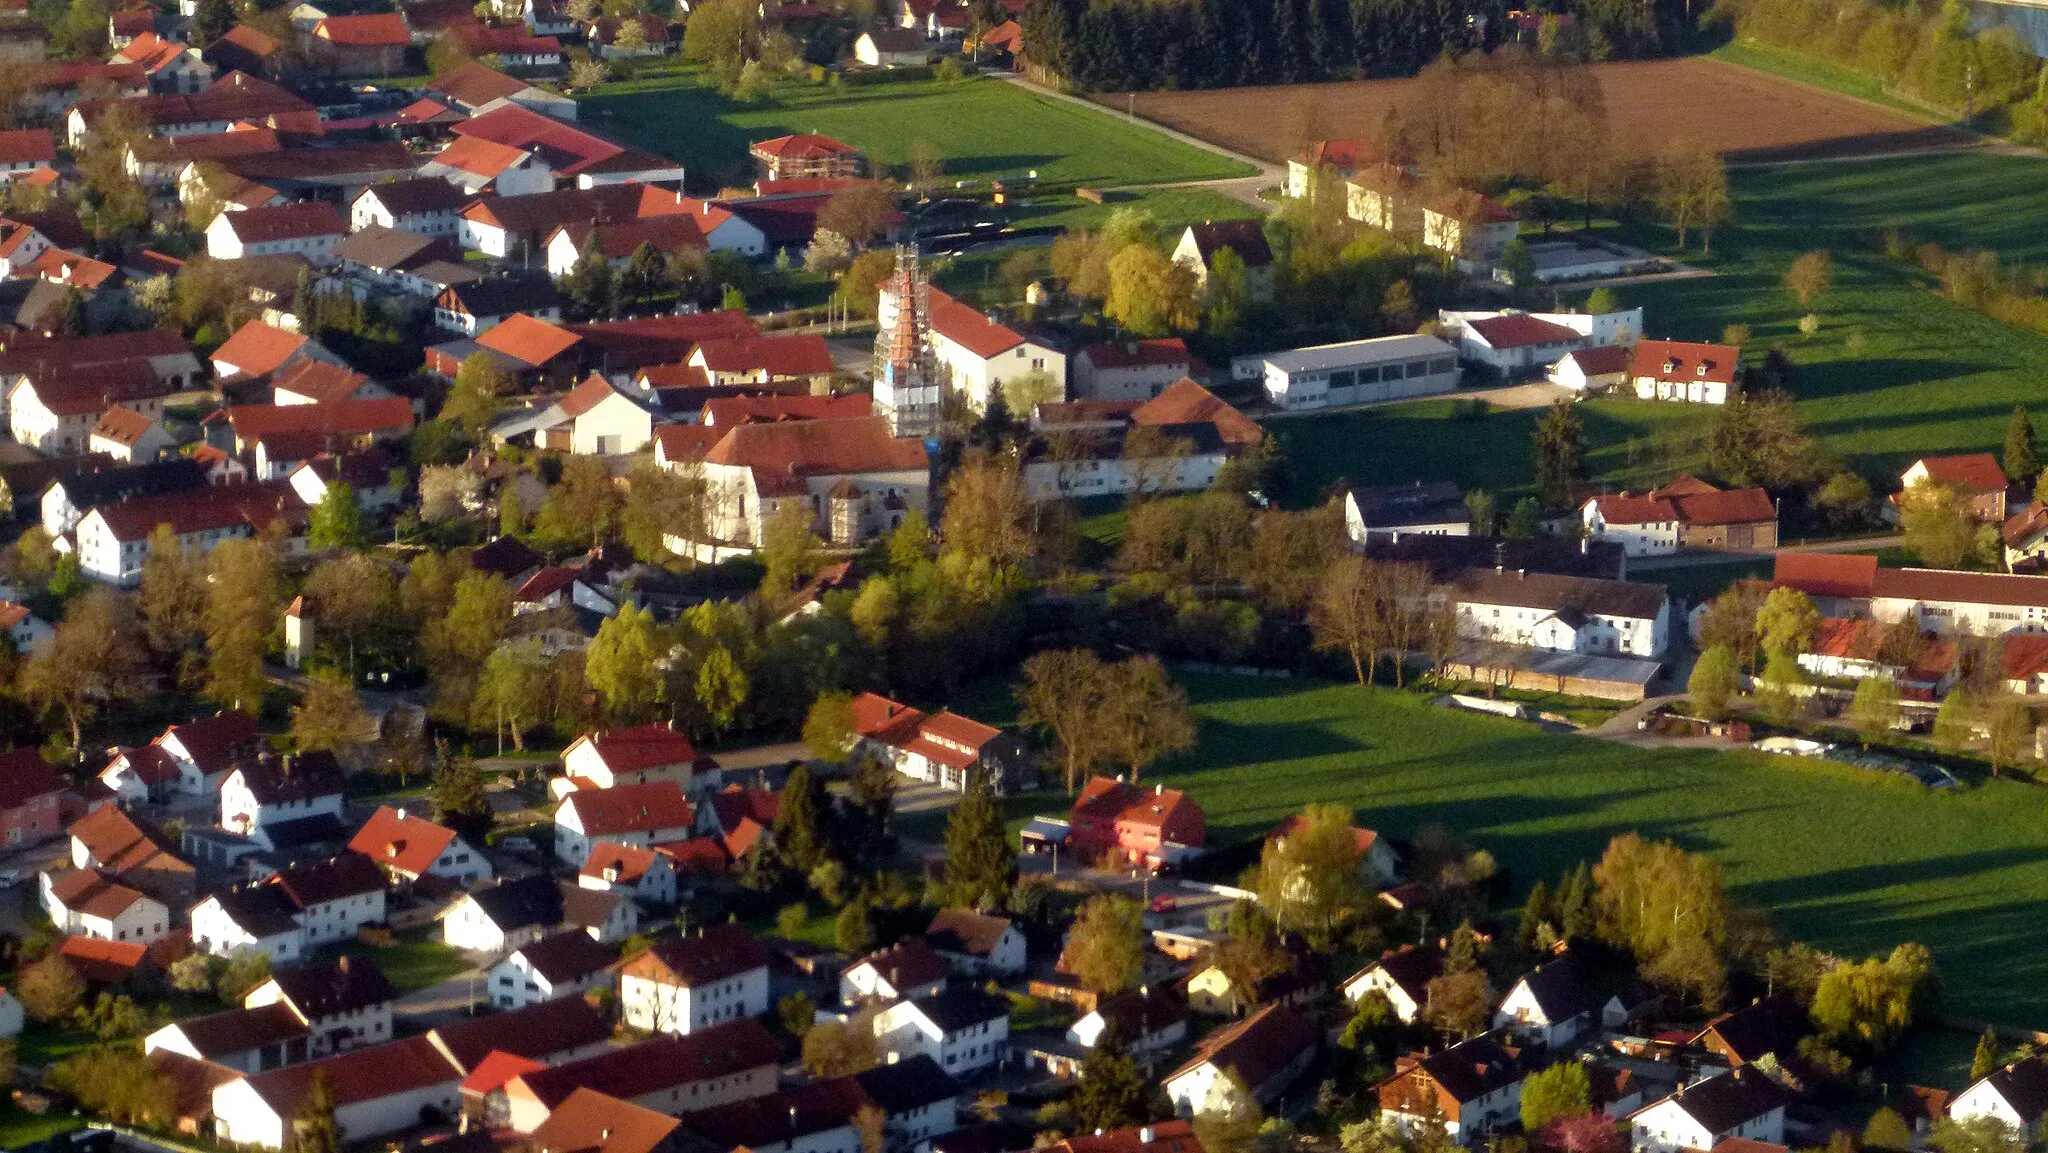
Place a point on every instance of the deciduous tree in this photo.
(1561, 1090)
(1875, 709)
(1065, 694)
(1148, 715)
(49, 989)
(1106, 947)
(859, 212)
(2022, 456)
(330, 717)
(1149, 294)
(1939, 523)
(623, 666)
(1808, 277)
(337, 520)
(94, 661)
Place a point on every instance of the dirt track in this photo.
(1745, 115)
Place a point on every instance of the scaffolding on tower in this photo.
(906, 370)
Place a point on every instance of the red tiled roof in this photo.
(496, 1069)
(27, 146)
(84, 391)
(65, 267)
(358, 1075)
(625, 864)
(511, 40)
(882, 719)
(588, 1121)
(476, 84)
(376, 30)
(724, 412)
(402, 841)
(698, 854)
(122, 425)
(252, 40)
(319, 381)
(221, 506)
(1520, 330)
(1924, 584)
(102, 962)
(594, 390)
(2025, 524)
(781, 454)
(618, 240)
(1165, 1137)
(545, 583)
(1978, 472)
(479, 157)
(257, 348)
(804, 146)
(1601, 359)
(1674, 361)
(1349, 153)
(26, 776)
(799, 354)
(1137, 353)
(1112, 800)
(969, 328)
(711, 953)
(253, 422)
(285, 222)
(530, 341)
(570, 149)
(1826, 574)
(630, 808)
(639, 747)
(86, 892)
(1185, 402)
(1733, 506)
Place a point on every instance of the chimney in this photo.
(1585, 545)
(1145, 1135)
(1158, 788)
(401, 814)
(1521, 574)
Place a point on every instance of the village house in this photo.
(916, 1098)
(258, 351)
(31, 799)
(684, 984)
(27, 632)
(372, 44)
(580, 156)
(1677, 370)
(977, 355)
(1354, 372)
(1301, 979)
(476, 88)
(1265, 1053)
(123, 434)
(1178, 441)
(1548, 1006)
(551, 1032)
(1341, 158)
(501, 917)
(342, 1004)
(1143, 1020)
(110, 842)
(376, 259)
(977, 945)
(244, 1040)
(1513, 344)
(1472, 230)
(904, 970)
(1562, 613)
(69, 498)
(677, 236)
(1977, 474)
(1128, 369)
(1586, 371)
(891, 48)
(1374, 859)
(377, 1090)
(277, 438)
(1475, 1087)
(409, 847)
(82, 902)
(1433, 509)
(1155, 826)
(292, 911)
(855, 480)
(814, 1118)
(189, 759)
(637, 815)
(636, 755)
(963, 1028)
(113, 541)
(1402, 977)
(24, 150)
(1922, 665)
(171, 68)
(596, 418)
(1199, 243)
(310, 229)
(944, 749)
(1767, 1029)
(422, 205)
(232, 99)
(475, 304)
(712, 1067)
(564, 964)
(806, 156)
(647, 875)
(793, 361)
(1742, 1103)
(2016, 1094)
(474, 166)
(58, 413)
(1688, 513)
(374, 477)
(274, 788)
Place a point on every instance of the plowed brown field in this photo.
(1745, 115)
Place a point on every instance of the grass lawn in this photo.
(1695, 583)
(19, 1128)
(416, 959)
(982, 128)
(45, 1044)
(1847, 860)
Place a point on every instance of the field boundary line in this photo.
(1266, 170)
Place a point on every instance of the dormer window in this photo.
(1701, 370)
(1670, 366)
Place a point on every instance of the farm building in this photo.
(1360, 371)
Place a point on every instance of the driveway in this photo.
(443, 1000)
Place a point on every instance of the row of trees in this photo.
(1120, 45)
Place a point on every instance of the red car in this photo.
(1164, 903)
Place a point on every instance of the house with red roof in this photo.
(372, 44)
(377, 1090)
(597, 1123)
(854, 480)
(799, 361)
(129, 436)
(408, 847)
(640, 815)
(114, 540)
(171, 68)
(514, 46)
(689, 983)
(1977, 474)
(978, 354)
(645, 874)
(1688, 513)
(1129, 369)
(582, 156)
(1178, 441)
(245, 49)
(541, 351)
(1683, 371)
(1199, 243)
(476, 88)
(721, 413)
(673, 235)
(85, 903)
(807, 155)
(56, 412)
(25, 150)
(188, 759)
(476, 166)
(943, 748)
(311, 380)
(309, 228)
(277, 437)
(638, 755)
(30, 792)
(1344, 157)
(564, 964)
(1468, 227)
(1921, 664)
(1155, 826)
(736, 1061)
